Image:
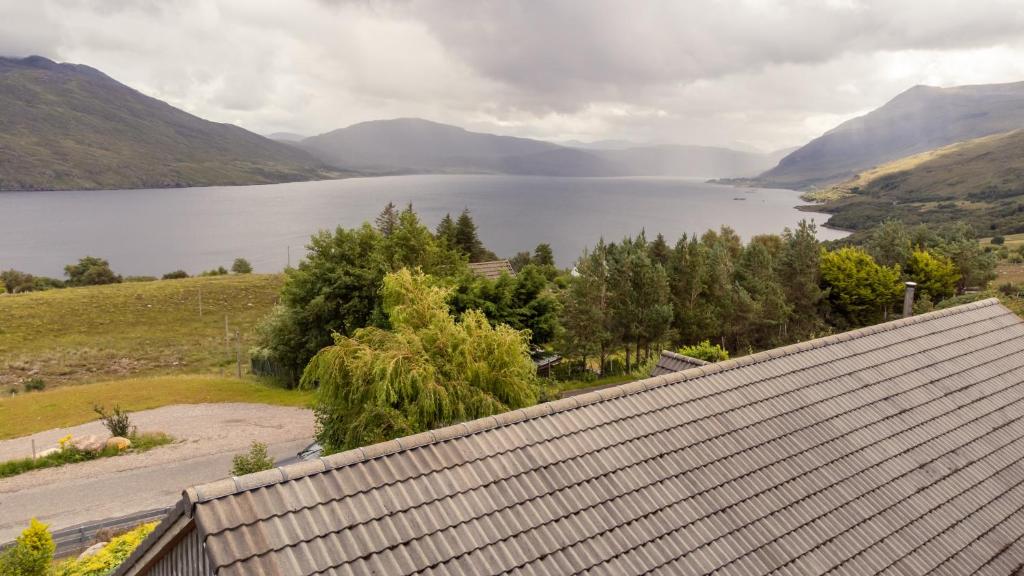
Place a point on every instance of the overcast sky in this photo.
(764, 73)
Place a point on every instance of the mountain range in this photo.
(68, 126)
(919, 119)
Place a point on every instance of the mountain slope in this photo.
(67, 126)
(920, 119)
(980, 181)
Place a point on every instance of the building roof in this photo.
(493, 269)
(896, 447)
(670, 362)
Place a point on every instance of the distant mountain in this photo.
(286, 136)
(920, 119)
(979, 180)
(600, 144)
(413, 145)
(68, 126)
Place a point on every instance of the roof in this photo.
(899, 446)
(670, 362)
(492, 270)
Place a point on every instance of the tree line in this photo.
(93, 271)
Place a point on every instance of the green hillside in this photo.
(68, 126)
(980, 181)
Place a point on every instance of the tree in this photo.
(445, 232)
(387, 220)
(586, 316)
(860, 291)
(90, 271)
(429, 370)
(890, 244)
(660, 251)
(255, 460)
(241, 266)
(935, 274)
(523, 302)
(15, 281)
(799, 275)
(466, 239)
(975, 266)
(520, 260)
(638, 296)
(705, 351)
(31, 554)
(543, 255)
(177, 274)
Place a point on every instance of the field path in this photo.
(207, 437)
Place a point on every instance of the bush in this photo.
(998, 240)
(118, 421)
(34, 384)
(68, 454)
(90, 271)
(241, 266)
(256, 460)
(108, 558)
(175, 275)
(218, 271)
(31, 554)
(1008, 289)
(705, 351)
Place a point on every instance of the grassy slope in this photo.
(95, 333)
(71, 405)
(980, 181)
(71, 127)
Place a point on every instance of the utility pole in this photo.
(200, 302)
(238, 352)
(289, 257)
(227, 344)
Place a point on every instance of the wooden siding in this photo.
(186, 558)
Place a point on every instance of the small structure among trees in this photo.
(492, 269)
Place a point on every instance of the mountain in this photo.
(68, 126)
(979, 180)
(681, 160)
(407, 145)
(286, 136)
(920, 119)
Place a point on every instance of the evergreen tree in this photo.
(520, 260)
(387, 220)
(466, 239)
(860, 291)
(586, 316)
(445, 232)
(936, 275)
(543, 255)
(659, 251)
(890, 244)
(799, 275)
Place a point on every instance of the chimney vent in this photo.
(908, 299)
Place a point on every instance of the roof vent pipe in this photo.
(908, 299)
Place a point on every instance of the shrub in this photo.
(1016, 259)
(256, 460)
(705, 351)
(998, 240)
(241, 266)
(118, 421)
(31, 554)
(1008, 289)
(108, 558)
(15, 281)
(90, 271)
(34, 384)
(175, 275)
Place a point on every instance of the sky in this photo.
(762, 74)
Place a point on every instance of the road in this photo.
(109, 487)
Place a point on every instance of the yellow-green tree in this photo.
(428, 370)
(935, 274)
(860, 291)
(31, 554)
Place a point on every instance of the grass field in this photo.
(97, 333)
(32, 412)
(1011, 241)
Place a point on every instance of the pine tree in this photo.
(799, 275)
(387, 220)
(445, 232)
(543, 255)
(466, 239)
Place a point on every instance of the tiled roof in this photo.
(492, 270)
(897, 448)
(670, 362)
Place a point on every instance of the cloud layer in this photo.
(768, 73)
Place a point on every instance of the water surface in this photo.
(150, 232)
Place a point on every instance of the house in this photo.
(670, 362)
(895, 448)
(493, 269)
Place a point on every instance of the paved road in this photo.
(91, 499)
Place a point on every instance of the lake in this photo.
(150, 232)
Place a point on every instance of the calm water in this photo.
(154, 231)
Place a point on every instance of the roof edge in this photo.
(684, 357)
(234, 485)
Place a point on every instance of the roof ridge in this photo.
(237, 484)
(683, 357)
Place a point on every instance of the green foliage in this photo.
(523, 302)
(429, 370)
(175, 275)
(543, 255)
(387, 220)
(975, 266)
(890, 244)
(639, 304)
(107, 559)
(241, 266)
(706, 351)
(15, 281)
(31, 554)
(90, 271)
(71, 455)
(935, 274)
(255, 460)
(586, 312)
(218, 271)
(117, 421)
(998, 240)
(860, 291)
(34, 384)
(520, 260)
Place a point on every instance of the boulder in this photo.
(88, 444)
(92, 550)
(119, 442)
(47, 452)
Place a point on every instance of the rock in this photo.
(119, 442)
(92, 550)
(88, 444)
(47, 452)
